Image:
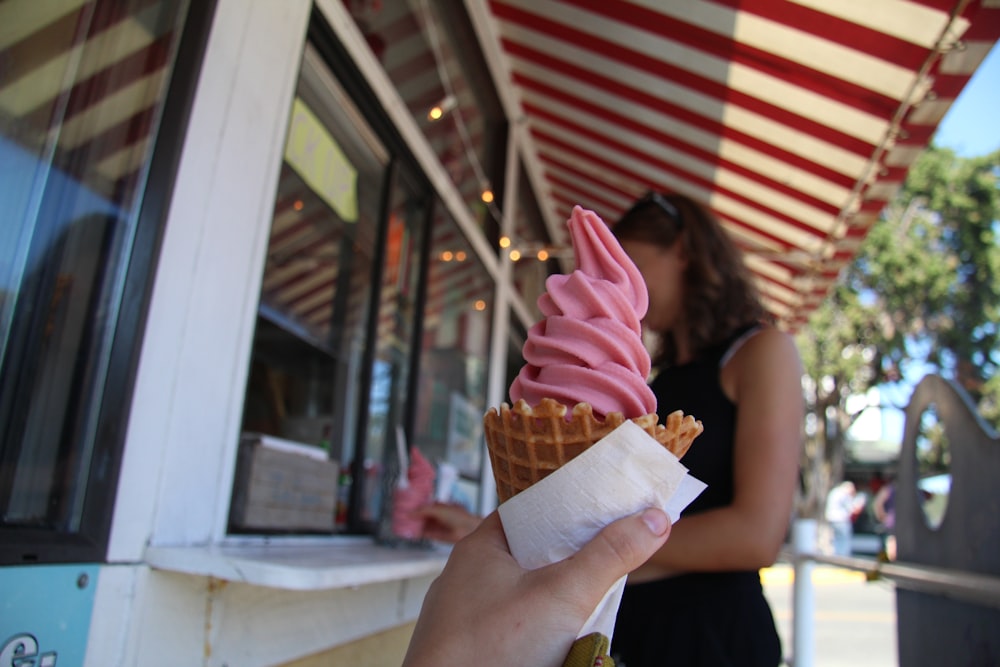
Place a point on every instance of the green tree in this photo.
(922, 293)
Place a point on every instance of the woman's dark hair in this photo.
(719, 296)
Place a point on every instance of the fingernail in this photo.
(656, 520)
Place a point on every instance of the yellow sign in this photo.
(317, 158)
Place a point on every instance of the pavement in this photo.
(854, 619)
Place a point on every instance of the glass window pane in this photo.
(429, 51)
(394, 341)
(451, 391)
(82, 87)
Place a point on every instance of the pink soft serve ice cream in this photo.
(411, 496)
(585, 368)
(588, 348)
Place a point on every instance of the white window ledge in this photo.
(337, 563)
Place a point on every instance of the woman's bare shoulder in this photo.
(769, 339)
(767, 357)
(767, 345)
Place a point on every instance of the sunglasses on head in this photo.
(655, 198)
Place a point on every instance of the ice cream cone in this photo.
(526, 444)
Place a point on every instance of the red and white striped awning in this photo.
(795, 121)
(83, 80)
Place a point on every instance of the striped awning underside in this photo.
(795, 121)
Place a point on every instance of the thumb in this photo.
(619, 548)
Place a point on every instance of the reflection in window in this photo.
(451, 392)
(430, 53)
(82, 89)
(390, 394)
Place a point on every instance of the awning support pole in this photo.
(803, 598)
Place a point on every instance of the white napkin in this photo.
(555, 517)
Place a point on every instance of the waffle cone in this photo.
(526, 444)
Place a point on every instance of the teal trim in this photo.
(45, 613)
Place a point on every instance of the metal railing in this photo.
(958, 585)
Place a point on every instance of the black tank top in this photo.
(695, 388)
(705, 619)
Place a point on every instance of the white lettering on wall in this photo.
(22, 651)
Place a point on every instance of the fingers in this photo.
(488, 534)
(617, 550)
(438, 511)
(447, 522)
(626, 544)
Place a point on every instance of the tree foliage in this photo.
(923, 295)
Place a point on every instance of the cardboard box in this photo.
(283, 486)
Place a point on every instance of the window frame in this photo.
(22, 545)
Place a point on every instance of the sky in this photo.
(971, 127)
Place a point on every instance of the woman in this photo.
(698, 600)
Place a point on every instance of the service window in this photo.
(307, 370)
(372, 332)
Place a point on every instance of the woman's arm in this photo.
(764, 380)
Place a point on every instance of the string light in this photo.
(463, 132)
(541, 253)
(438, 111)
(453, 256)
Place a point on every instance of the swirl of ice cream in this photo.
(588, 348)
(417, 491)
